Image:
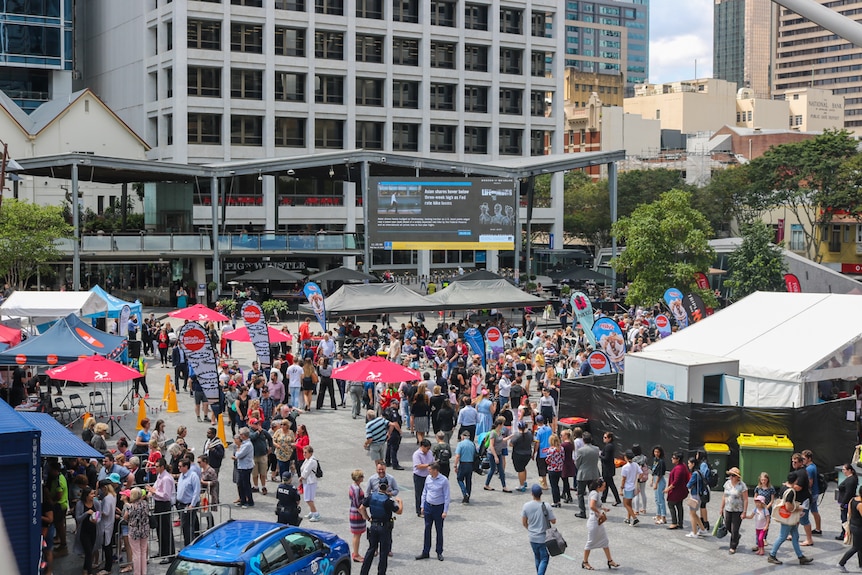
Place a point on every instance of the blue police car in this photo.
(239, 547)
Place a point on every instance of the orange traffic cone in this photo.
(220, 429)
(142, 414)
(168, 388)
(172, 401)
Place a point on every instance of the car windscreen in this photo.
(192, 567)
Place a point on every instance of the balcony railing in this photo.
(186, 243)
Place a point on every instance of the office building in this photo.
(743, 37)
(609, 37)
(36, 51)
(806, 55)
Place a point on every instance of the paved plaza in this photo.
(485, 536)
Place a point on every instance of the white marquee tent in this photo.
(785, 343)
(43, 306)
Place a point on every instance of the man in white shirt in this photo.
(629, 487)
(294, 382)
(326, 347)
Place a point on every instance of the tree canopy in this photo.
(27, 234)
(757, 264)
(667, 242)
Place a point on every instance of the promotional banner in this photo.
(473, 338)
(600, 364)
(493, 343)
(582, 307)
(315, 300)
(123, 327)
(695, 307)
(662, 324)
(199, 353)
(701, 280)
(255, 323)
(673, 299)
(611, 341)
(792, 283)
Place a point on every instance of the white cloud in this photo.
(680, 33)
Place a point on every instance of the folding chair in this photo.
(61, 410)
(97, 401)
(76, 405)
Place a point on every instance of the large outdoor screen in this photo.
(441, 213)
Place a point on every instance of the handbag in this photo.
(720, 529)
(602, 518)
(693, 503)
(782, 514)
(554, 541)
(848, 536)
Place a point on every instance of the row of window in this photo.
(291, 133)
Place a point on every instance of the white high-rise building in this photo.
(224, 80)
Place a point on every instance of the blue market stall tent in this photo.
(67, 340)
(115, 304)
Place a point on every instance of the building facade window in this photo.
(328, 89)
(204, 128)
(249, 3)
(476, 99)
(369, 48)
(475, 17)
(369, 135)
(289, 41)
(246, 130)
(247, 38)
(405, 11)
(538, 66)
(405, 94)
(475, 140)
(329, 45)
(405, 51)
(329, 134)
(511, 101)
(538, 24)
(294, 5)
(537, 142)
(511, 21)
(289, 87)
(475, 58)
(405, 137)
(537, 103)
(443, 55)
(442, 96)
(511, 61)
(204, 34)
(510, 141)
(443, 13)
(204, 82)
(442, 138)
(330, 7)
(246, 84)
(290, 132)
(369, 91)
(369, 9)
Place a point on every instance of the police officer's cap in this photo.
(286, 476)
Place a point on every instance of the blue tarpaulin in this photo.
(115, 304)
(67, 340)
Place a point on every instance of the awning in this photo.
(57, 441)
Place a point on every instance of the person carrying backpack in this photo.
(442, 454)
(709, 479)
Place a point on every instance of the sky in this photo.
(680, 35)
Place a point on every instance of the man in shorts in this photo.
(200, 400)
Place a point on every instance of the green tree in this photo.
(757, 264)
(587, 213)
(27, 234)
(638, 187)
(667, 242)
(804, 177)
(718, 199)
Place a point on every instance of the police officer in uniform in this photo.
(287, 508)
(378, 508)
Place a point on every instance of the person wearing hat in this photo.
(465, 455)
(287, 508)
(734, 505)
(761, 522)
(533, 518)
(377, 508)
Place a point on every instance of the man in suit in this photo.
(587, 463)
(181, 367)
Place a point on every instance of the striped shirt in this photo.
(375, 430)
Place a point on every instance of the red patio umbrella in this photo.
(198, 312)
(10, 335)
(93, 369)
(376, 369)
(275, 335)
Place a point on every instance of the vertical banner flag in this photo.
(792, 283)
(199, 353)
(673, 299)
(258, 332)
(662, 324)
(701, 280)
(583, 309)
(611, 341)
(599, 363)
(473, 338)
(695, 307)
(125, 314)
(493, 344)
(315, 300)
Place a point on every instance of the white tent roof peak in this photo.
(780, 336)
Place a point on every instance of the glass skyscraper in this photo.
(742, 43)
